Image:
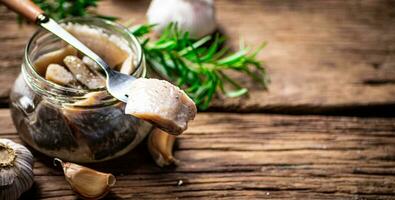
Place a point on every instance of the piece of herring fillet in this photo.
(59, 75)
(161, 103)
(53, 57)
(82, 73)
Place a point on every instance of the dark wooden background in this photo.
(325, 57)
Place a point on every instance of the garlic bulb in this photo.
(160, 145)
(16, 170)
(194, 16)
(86, 182)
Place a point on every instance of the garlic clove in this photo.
(86, 182)
(160, 145)
(194, 16)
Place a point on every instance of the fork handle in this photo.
(26, 8)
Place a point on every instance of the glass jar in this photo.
(47, 119)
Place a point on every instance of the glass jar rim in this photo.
(30, 64)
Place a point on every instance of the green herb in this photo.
(59, 9)
(199, 66)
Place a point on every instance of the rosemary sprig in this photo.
(198, 66)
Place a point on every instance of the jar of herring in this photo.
(59, 103)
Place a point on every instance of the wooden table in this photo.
(331, 128)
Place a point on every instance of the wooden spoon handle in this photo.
(26, 8)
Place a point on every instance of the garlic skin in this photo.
(16, 170)
(160, 145)
(194, 16)
(86, 182)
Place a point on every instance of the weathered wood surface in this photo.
(250, 156)
(323, 56)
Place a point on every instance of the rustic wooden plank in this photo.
(240, 156)
(323, 56)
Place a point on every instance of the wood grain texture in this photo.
(253, 156)
(322, 56)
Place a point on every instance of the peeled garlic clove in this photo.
(160, 145)
(82, 73)
(53, 57)
(16, 169)
(194, 16)
(86, 182)
(59, 75)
